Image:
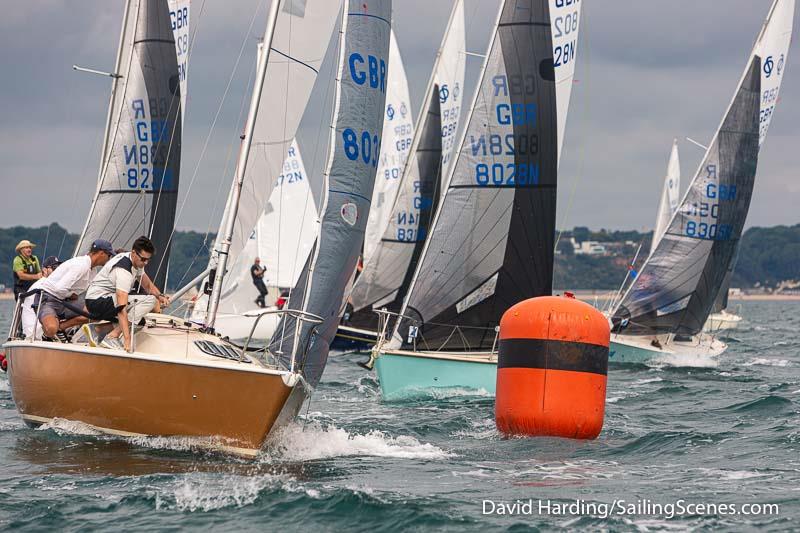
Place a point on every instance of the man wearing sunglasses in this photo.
(67, 282)
(109, 298)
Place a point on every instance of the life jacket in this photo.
(30, 266)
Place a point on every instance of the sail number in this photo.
(506, 174)
(706, 214)
(366, 147)
(566, 24)
(372, 71)
(563, 54)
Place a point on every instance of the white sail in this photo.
(301, 38)
(282, 239)
(565, 25)
(772, 46)
(398, 132)
(449, 77)
(179, 12)
(669, 195)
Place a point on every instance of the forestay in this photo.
(491, 244)
(387, 271)
(140, 164)
(398, 131)
(359, 110)
(676, 287)
(669, 195)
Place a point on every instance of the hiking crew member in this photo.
(109, 298)
(257, 273)
(67, 281)
(26, 268)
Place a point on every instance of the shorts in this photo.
(103, 308)
(56, 308)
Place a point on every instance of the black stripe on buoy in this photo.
(553, 355)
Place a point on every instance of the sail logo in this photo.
(780, 65)
(769, 64)
(350, 213)
(444, 93)
(390, 112)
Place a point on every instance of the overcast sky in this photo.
(648, 71)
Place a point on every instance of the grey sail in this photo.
(350, 178)
(491, 243)
(387, 276)
(138, 186)
(677, 286)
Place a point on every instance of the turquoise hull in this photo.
(408, 377)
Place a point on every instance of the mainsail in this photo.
(491, 243)
(669, 196)
(679, 282)
(139, 172)
(359, 111)
(398, 130)
(387, 270)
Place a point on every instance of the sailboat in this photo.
(182, 379)
(391, 259)
(662, 314)
(491, 241)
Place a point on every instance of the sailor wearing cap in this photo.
(67, 282)
(26, 267)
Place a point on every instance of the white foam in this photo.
(614, 399)
(4, 386)
(689, 360)
(68, 427)
(443, 393)
(732, 475)
(295, 443)
(645, 381)
(482, 429)
(209, 492)
(763, 361)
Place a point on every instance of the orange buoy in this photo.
(552, 369)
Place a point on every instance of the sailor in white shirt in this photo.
(67, 282)
(109, 298)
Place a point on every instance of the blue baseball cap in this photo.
(102, 245)
(51, 261)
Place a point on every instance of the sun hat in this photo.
(25, 243)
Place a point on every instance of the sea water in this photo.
(682, 447)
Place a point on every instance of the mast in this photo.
(222, 253)
(104, 150)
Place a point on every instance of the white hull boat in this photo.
(700, 350)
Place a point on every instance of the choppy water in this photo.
(722, 435)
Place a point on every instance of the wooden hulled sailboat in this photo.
(182, 379)
(662, 314)
(491, 241)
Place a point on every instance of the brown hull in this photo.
(126, 394)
